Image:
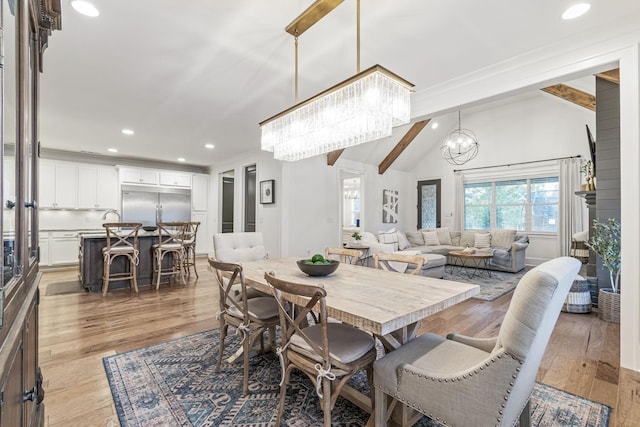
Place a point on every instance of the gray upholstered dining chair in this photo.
(344, 255)
(465, 381)
(403, 263)
(249, 316)
(328, 353)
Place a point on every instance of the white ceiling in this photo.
(182, 74)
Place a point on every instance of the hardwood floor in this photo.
(78, 330)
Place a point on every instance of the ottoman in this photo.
(434, 266)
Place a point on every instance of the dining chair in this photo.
(249, 316)
(466, 381)
(189, 247)
(403, 263)
(122, 241)
(328, 353)
(170, 236)
(344, 255)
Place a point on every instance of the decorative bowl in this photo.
(150, 227)
(318, 269)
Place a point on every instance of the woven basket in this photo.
(609, 305)
(579, 298)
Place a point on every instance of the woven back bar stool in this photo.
(122, 241)
(170, 237)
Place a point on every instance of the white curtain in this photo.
(459, 198)
(570, 206)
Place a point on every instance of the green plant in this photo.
(605, 242)
(356, 235)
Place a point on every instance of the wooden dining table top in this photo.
(374, 300)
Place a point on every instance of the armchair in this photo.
(467, 381)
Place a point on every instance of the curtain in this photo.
(459, 198)
(570, 206)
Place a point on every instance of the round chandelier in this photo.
(459, 146)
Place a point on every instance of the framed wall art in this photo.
(266, 192)
(390, 201)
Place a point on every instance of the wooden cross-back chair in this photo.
(412, 264)
(189, 247)
(170, 236)
(344, 255)
(122, 240)
(249, 316)
(328, 353)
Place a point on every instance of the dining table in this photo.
(390, 305)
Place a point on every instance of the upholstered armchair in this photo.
(465, 381)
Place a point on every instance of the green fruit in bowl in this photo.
(317, 258)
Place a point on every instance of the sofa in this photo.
(507, 246)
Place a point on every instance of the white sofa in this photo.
(507, 246)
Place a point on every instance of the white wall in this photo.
(537, 126)
(267, 216)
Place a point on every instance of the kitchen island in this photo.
(91, 261)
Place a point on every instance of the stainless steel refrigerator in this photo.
(151, 206)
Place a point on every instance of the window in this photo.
(523, 204)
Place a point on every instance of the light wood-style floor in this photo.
(78, 330)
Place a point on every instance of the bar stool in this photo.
(170, 236)
(122, 240)
(189, 247)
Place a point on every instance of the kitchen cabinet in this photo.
(200, 192)
(97, 188)
(203, 237)
(58, 185)
(63, 247)
(139, 176)
(43, 243)
(175, 179)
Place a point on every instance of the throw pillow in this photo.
(430, 238)
(502, 239)
(389, 237)
(467, 238)
(482, 241)
(443, 236)
(415, 238)
(403, 243)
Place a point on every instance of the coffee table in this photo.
(459, 260)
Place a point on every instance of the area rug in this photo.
(61, 288)
(491, 287)
(174, 384)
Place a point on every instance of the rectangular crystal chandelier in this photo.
(363, 108)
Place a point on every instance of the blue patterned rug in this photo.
(491, 287)
(174, 384)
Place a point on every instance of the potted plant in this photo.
(356, 236)
(605, 242)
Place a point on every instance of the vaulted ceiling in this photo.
(183, 74)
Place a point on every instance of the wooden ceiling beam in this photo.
(400, 146)
(612, 76)
(333, 156)
(573, 95)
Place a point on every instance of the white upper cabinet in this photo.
(199, 192)
(139, 176)
(97, 188)
(58, 185)
(175, 179)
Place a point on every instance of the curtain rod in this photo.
(516, 164)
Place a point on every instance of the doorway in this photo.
(228, 183)
(250, 198)
(429, 202)
(352, 203)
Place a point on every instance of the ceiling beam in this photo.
(570, 94)
(612, 76)
(333, 156)
(400, 146)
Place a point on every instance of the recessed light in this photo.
(85, 8)
(181, 159)
(127, 131)
(209, 146)
(576, 10)
(434, 125)
(112, 150)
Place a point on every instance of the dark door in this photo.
(227, 204)
(429, 201)
(250, 198)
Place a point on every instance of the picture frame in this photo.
(267, 189)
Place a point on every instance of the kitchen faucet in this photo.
(113, 211)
